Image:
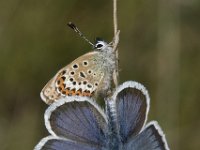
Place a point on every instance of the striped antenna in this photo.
(74, 27)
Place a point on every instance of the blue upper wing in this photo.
(132, 105)
(78, 119)
(151, 138)
(56, 143)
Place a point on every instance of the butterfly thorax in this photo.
(106, 63)
(106, 60)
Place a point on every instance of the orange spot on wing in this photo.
(67, 91)
(73, 92)
(86, 93)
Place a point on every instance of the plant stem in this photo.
(115, 42)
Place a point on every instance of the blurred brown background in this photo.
(159, 47)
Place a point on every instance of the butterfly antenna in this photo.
(74, 27)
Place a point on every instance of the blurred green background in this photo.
(159, 47)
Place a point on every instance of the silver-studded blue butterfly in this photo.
(78, 123)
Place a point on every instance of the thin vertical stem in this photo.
(115, 42)
(115, 17)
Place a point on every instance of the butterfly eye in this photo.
(99, 46)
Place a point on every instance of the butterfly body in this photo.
(87, 75)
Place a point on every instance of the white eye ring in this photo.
(100, 45)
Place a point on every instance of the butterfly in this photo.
(79, 123)
(87, 75)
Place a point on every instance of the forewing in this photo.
(151, 138)
(80, 77)
(131, 105)
(78, 119)
(56, 143)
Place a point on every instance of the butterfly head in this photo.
(101, 45)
